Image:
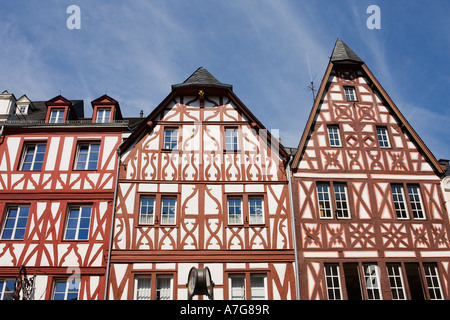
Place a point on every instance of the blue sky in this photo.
(135, 50)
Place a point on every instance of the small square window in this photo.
(88, 155)
(333, 136)
(170, 138)
(33, 157)
(103, 115)
(350, 94)
(57, 115)
(66, 289)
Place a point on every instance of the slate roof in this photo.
(201, 76)
(342, 52)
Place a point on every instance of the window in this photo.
(432, 279)
(78, 222)
(56, 115)
(256, 212)
(333, 281)
(168, 210)
(352, 281)
(396, 281)
(66, 289)
(399, 201)
(383, 138)
(148, 287)
(103, 115)
(231, 139)
(323, 195)
(350, 94)
(7, 289)
(372, 281)
(401, 205)
(15, 222)
(234, 210)
(416, 202)
(170, 138)
(163, 287)
(256, 282)
(340, 194)
(33, 157)
(143, 287)
(87, 158)
(146, 212)
(333, 136)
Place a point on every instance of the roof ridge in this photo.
(342, 51)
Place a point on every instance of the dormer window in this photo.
(103, 115)
(56, 115)
(22, 110)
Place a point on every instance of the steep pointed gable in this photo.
(343, 55)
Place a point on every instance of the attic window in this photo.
(350, 93)
(23, 110)
(103, 115)
(57, 115)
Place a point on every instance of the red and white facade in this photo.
(57, 180)
(202, 184)
(370, 216)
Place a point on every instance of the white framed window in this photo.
(78, 223)
(400, 205)
(66, 289)
(257, 282)
(350, 93)
(170, 138)
(103, 115)
(142, 285)
(168, 210)
(372, 280)
(237, 286)
(395, 275)
(383, 138)
(432, 281)
(415, 201)
(16, 222)
(324, 200)
(234, 210)
(333, 136)
(164, 287)
(340, 195)
(147, 209)
(33, 157)
(56, 115)
(231, 139)
(7, 289)
(333, 281)
(256, 209)
(87, 156)
(258, 285)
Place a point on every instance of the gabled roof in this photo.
(199, 79)
(342, 54)
(201, 76)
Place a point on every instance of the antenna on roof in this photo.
(310, 78)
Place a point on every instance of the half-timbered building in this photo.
(202, 184)
(57, 181)
(370, 216)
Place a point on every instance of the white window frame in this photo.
(16, 221)
(433, 282)
(395, 276)
(144, 216)
(168, 219)
(89, 154)
(7, 293)
(103, 115)
(322, 202)
(170, 138)
(341, 202)
(33, 161)
(231, 139)
(257, 218)
(404, 212)
(416, 203)
(142, 293)
(383, 137)
(56, 115)
(68, 285)
(333, 281)
(350, 94)
(232, 218)
(334, 136)
(158, 290)
(77, 229)
(372, 281)
(258, 293)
